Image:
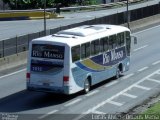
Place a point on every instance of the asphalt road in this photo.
(10, 29)
(107, 98)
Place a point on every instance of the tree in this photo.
(32, 4)
(27, 4)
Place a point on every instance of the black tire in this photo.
(87, 86)
(118, 73)
(29, 89)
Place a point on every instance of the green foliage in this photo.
(28, 4)
(90, 2)
(155, 109)
(33, 4)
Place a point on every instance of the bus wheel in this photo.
(87, 86)
(117, 73)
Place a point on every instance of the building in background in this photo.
(3, 6)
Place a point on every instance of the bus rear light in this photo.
(28, 75)
(65, 78)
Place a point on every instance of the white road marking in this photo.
(52, 112)
(12, 73)
(142, 69)
(88, 16)
(110, 84)
(142, 87)
(92, 93)
(114, 96)
(155, 63)
(128, 76)
(115, 103)
(153, 80)
(98, 112)
(73, 102)
(140, 48)
(129, 95)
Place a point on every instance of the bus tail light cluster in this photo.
(66, 80)
(28, 76)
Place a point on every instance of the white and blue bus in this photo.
(75, 59)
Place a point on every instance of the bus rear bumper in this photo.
(59, 90)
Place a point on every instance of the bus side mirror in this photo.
(134, 39)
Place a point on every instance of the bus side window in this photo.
(85, 50)
(104, 44)
(88, 49)
(128, 42)
(75, 53)
(95, 47)
(120, 39)
(112, 42)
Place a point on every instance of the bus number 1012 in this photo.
(38, 69)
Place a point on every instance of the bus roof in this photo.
(82, 34)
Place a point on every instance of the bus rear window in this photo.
(42, 66)
(48, 51)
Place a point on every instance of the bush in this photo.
(34, 4)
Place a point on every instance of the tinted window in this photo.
(95, 47)
(88, 51)
(104, 44)
(112, 42)
(128, 42)
(120, 39)
(85, 50)
(75, 53)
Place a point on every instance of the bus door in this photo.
(47, 65)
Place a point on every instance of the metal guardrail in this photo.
(20, 43)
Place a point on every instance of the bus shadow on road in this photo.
(105, 82)
(28, 100)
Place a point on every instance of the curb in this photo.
(8, 16)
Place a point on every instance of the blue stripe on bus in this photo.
(103, 61)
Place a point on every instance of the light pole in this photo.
(127, 16)
(45, 17)
(16, 4)
(3, 5)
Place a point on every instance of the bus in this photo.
(75, 59)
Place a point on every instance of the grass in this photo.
(155, 109)
(152, 113)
